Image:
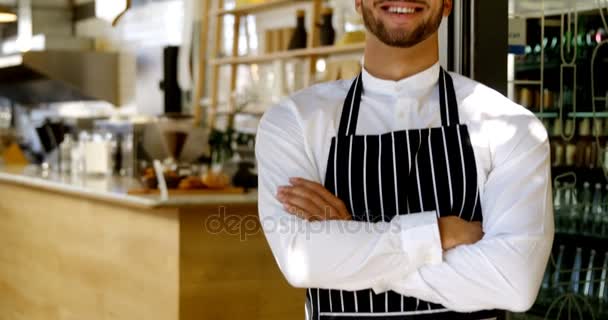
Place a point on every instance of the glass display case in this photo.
(557, 64)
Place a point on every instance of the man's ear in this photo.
(448, 5)
(358, 5)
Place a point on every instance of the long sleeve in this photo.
(503, 270)
(344, 255)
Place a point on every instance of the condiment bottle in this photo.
(298, 39)
(327, 32)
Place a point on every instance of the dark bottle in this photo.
(298, 39)
(327, 32)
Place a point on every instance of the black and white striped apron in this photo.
(401, 172)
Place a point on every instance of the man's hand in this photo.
(311, 201)
(455, 231)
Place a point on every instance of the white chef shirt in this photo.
(502, 271)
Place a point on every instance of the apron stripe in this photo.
(464, 175)
(475, 205)
(350, 180)
(425, 174)
(380, 178)
(395, 175)
(447, 165)
(309, 306)
(389, 181)
(365, 178)
(330, 176)
(335, 168)
(437, 208)
(442, 185)
(469, 162)
(418, 173)
(372, 179)
(401, 170)
(386, 302)
(409, 167)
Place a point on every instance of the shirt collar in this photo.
(412, 86)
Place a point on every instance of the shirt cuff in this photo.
(420, 242)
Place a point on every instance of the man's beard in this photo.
(401, 38)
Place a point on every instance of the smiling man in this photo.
(407, 192)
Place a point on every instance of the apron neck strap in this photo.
(352, 103)
(350, 111)
(447, 100)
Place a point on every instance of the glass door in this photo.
(557, 64)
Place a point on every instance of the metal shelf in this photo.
(551, 115)
(532, 8)
(546, 115)
(602, 114)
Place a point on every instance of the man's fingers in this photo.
(301, 202)
(303, 193)
(321, 191)
(299, 212)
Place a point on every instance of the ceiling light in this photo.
(7, 15)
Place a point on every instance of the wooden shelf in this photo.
(253, 8)
(264, 58)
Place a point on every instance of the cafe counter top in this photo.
(113, 189)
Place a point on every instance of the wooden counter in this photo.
(65, 256)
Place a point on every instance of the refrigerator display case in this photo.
(556, 67)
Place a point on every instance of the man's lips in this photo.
(415, 5)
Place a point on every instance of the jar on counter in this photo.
(96, 153)
(65, 153)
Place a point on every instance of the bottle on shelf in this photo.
(548, 102)
(327, 31)
(526, 98)
(603, 222)
(603, 286)
(557, 206)
(299, 37)
(572, 206)
(575, 275)
(597, 209)
(589, 276)
(558, 269)
(587, 218)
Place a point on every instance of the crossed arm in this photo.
(317, 245)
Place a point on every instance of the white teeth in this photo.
(401, 10)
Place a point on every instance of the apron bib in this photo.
(401, 172)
